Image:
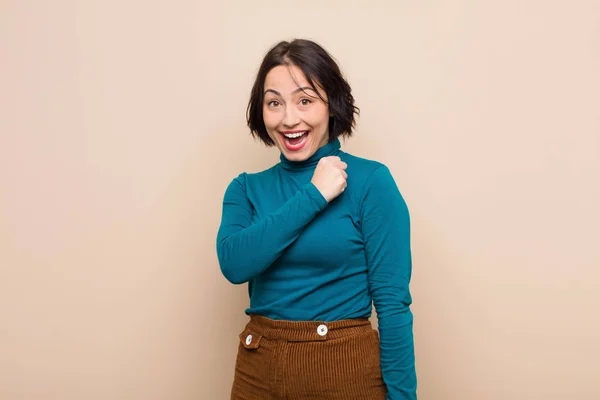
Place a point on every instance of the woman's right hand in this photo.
(330, 177)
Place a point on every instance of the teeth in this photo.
(294, 135)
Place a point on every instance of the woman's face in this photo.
(295, 117)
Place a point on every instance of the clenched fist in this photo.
(330, 177)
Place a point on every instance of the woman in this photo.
(319, 237)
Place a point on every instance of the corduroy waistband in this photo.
(306, 331)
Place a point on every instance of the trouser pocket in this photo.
(253, 379)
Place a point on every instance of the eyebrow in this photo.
(300, 89)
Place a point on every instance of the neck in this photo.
(331, 148)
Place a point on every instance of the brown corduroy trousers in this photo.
(285, 360)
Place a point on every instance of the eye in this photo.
(273, 103)
(305, 102)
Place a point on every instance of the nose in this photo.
(290, 118)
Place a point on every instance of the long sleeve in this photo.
(246, 249)
(386, 232)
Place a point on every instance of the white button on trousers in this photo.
(248, 339)
(322, 330)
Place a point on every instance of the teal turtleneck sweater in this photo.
(305, 259)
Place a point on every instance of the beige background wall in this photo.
(122, 122)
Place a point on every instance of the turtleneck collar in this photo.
(330, 149)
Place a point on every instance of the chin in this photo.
(296, 155)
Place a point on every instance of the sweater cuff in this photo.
(316, 196)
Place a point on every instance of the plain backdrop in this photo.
(122, 122)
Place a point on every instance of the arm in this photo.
(386, 232)
(244, 249)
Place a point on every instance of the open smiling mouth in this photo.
(294, 141)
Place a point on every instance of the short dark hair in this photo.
(318, 66)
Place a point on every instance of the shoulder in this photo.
(373, 182)
(364, 170)
(243, 179)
